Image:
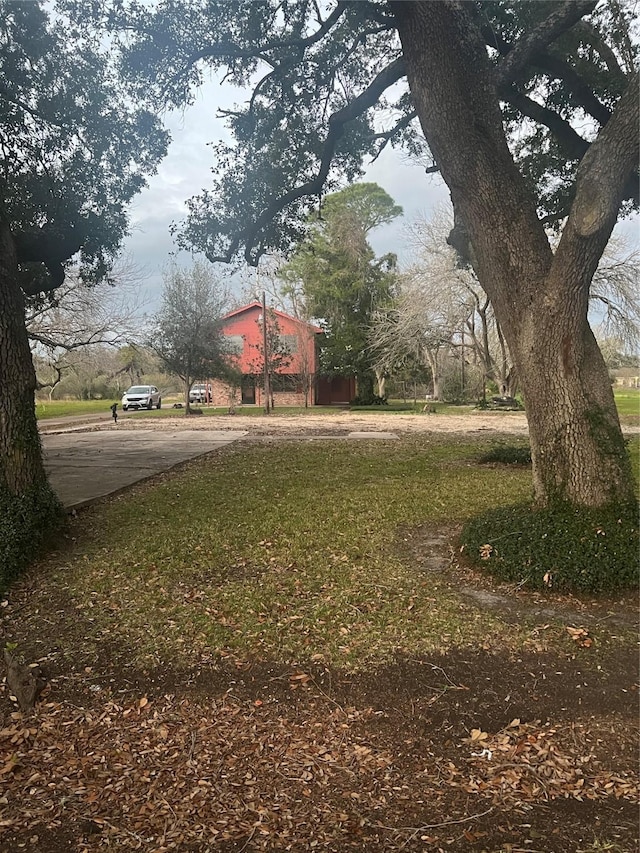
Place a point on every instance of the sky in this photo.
(186, 170)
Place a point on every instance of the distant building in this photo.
(626, 377)
(294, 374)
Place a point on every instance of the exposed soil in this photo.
(342, 423)
(480, 749)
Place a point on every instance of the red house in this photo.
(292, 356)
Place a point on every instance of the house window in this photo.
(290, 342)
(285, 382)
(235, 344)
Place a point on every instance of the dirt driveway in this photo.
(342, 423)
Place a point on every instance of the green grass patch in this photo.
(63, 408)
(288, 552)
(628, 403)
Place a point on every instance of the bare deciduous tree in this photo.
(187, 333)
(77, 316)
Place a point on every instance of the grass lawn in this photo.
(627, 401)
(63, 408)
(274, 648)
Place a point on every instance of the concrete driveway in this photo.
(84, 466)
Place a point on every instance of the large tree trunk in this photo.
(28, 506)
(577, 446)
(540, 300)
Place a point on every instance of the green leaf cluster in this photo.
(342, 280)
(74, 150)
(26, 521)
(316, 112)
(560, 547)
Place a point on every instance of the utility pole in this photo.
(265, 349)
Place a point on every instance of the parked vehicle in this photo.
(200, 394)
(141, 397)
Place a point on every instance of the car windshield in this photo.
(139, 389)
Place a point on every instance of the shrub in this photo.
(507, 454)
(561, 547)
(26, 521)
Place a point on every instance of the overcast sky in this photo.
(186, 171)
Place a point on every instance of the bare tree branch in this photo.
(388, 135)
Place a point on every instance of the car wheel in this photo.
(159, 406)
(150, 405)
(124, 408)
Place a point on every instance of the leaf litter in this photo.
(178, 773)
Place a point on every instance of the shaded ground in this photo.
(475, 750)
(478, 749)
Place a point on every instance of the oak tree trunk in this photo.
(28, 506)
(540, 299)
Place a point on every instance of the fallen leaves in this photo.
(580, 636)
(169, 774)
(165, 774)
(530, 762)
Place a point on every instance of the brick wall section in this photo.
(222, 396)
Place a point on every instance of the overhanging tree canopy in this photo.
(558, 76)
(74, 150)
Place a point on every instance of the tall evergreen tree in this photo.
(343, 281)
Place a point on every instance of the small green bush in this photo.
(368, 400)
(507, 454)
(26, 522)
(560, 547)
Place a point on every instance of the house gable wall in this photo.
(244, 323)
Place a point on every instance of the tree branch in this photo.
(388, 135)
(574, 146)
(337, 122)
(581, 91)
(544, 34)
(231, 50)
(602, 178)
(324, 28)
(551, 65)
(591, 35)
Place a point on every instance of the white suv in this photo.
(141, 397)
(200, 394)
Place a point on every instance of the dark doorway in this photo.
(248, 389)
